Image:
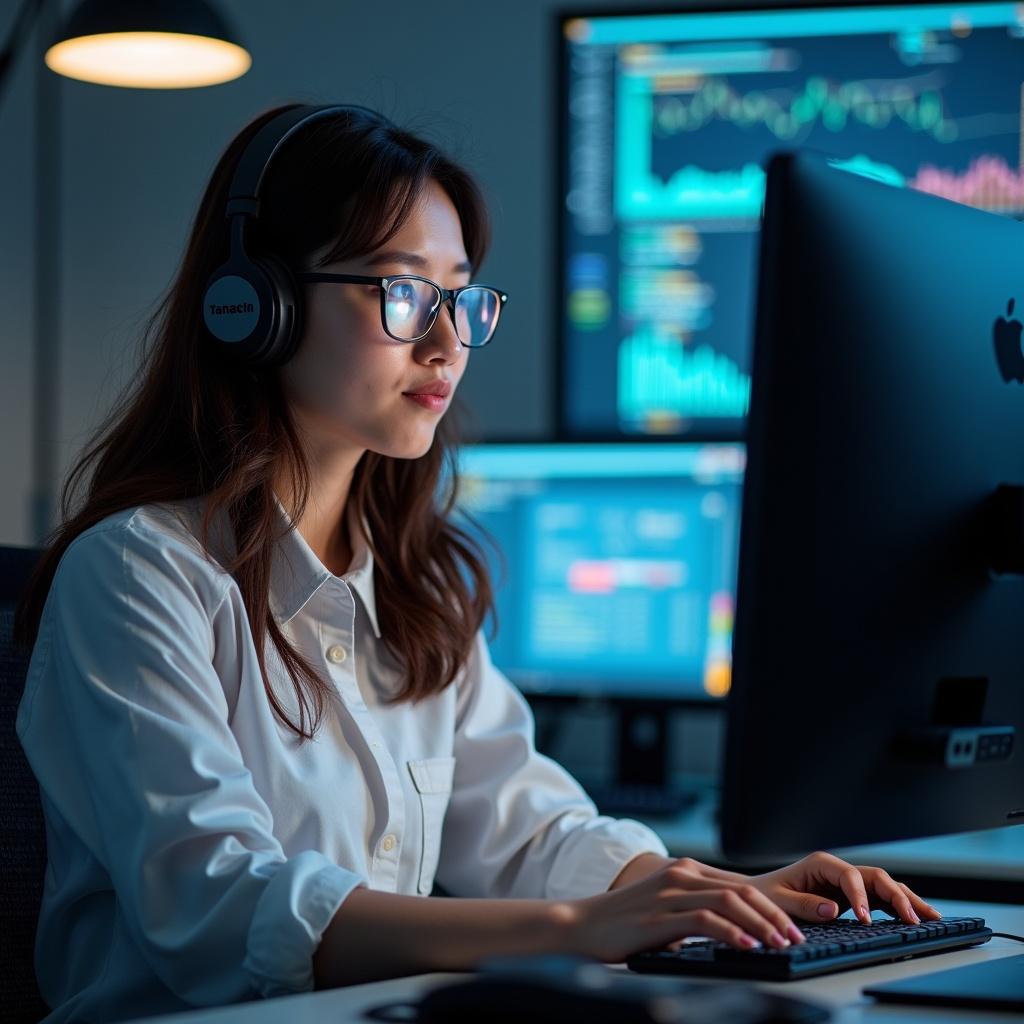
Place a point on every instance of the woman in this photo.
(259, 685)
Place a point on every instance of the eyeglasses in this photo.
(409, 306)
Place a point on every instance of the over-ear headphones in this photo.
(251, 305)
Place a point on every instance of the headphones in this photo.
(251, 306)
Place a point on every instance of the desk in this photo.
(841, 992)
(992, 855)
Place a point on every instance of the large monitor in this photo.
(878, 667)
(615, 575)
(667, 123)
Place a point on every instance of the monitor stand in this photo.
(642, 782)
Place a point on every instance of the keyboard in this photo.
(839, 946)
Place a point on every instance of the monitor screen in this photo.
(617, 567)
(668, 122)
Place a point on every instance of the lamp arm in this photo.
(22, 23)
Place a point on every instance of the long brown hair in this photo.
(191, 423)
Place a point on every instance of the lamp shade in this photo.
(155, 44)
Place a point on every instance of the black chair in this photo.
(22, 835)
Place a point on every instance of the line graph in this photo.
(695, 193)
(832, 104)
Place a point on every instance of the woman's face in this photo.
(346, 383)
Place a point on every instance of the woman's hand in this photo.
(679, 899)
(656, 902)
(822, 886)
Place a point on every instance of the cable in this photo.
(22, 23)
(1007, 935)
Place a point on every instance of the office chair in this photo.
(22, 835)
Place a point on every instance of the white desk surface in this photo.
(840, 992)
(992, 854)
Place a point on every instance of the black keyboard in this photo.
(839, 946)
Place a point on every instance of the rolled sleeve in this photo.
(290, 918)
(594, 851)
(132, 746)
(518, 823)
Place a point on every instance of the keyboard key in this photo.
(877, 941)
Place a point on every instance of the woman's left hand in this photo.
(821, 887)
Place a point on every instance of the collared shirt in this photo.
(196, 849)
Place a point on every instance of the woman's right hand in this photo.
(681, 899)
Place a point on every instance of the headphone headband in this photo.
(244, 194)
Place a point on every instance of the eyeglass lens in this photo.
(410, 306)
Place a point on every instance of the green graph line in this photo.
(833, 105)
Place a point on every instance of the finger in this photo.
(772, 909)
(884, 886)
(923, 909)
(850, 880)
(701, 921)
(778, 922)
(807, 906)
(730, 906)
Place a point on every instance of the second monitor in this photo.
(618, 576)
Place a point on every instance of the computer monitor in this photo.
(615, 572)
(667, 122)
(878, 666)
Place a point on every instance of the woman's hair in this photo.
(193, 423)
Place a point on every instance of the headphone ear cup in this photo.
(285, 325)
(251, 309)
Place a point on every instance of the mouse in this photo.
(566, 989)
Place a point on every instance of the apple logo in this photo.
(1006, 334)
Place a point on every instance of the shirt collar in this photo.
(296, 573)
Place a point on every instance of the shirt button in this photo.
(336, 653)
(387, 844)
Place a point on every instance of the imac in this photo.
(615, 575)
(878, 660)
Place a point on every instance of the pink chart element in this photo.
(592, 577)
(988, 184)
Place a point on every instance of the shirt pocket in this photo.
(432, 778)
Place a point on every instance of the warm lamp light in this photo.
(148, 60)
(158, 44)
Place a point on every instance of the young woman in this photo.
(260, 704)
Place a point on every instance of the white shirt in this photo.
(197, 850)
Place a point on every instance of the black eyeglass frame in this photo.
(449, 296)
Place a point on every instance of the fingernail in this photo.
(795, 934)
(750, 942)
(864, 914)
(825, 910)
(776, 939)
(914, 917)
